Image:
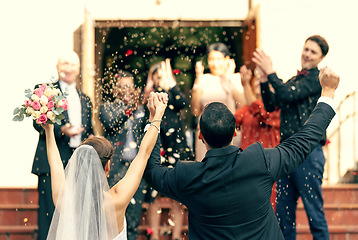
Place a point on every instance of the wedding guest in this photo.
(256, 123)
(173, 141)
(74, 128)
(228, 193)
(123, 121)
(296, 99)
(222, 84)
(86, 208)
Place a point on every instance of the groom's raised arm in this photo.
(288, 155)
(161, 178)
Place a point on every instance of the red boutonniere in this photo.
(176, 71)
(118, 143)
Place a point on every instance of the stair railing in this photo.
(339, 133)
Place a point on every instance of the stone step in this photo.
(340, 193)
(335, 232)
(18, 196)
(18, 214)
(18, 232)
(336, 214)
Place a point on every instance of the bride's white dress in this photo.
(123, 234)
(85, 209)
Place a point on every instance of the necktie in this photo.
(130, 147)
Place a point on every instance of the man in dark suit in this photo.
(296, 99)
(228, 193)
(124, 120)
(74, 128)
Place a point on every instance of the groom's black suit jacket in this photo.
(228, 193)
(40, 164)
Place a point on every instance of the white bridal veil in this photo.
(85, 209)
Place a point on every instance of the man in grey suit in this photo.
(228, 193)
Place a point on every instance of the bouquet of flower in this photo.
(45, 105)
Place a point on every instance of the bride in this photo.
(86, 209)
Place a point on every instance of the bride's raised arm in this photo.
(54, 160)
(124, 190)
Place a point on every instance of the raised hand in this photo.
(160, 103)
(246, 75)
(329, 81)
(157, 104)
(231, 66)
(263, 61)
(48, 127)
(167, 80)
(199, 69)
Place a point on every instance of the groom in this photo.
(228, 193)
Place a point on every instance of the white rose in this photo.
(56, 91)
(29, 111)
(43, 109)
(43, 100)
(48, 92)
(51, 115)
(36, 114)
(34, 97)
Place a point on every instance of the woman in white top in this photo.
(85, 206)
(222, 84)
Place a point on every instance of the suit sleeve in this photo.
(268, 97)
(112, 116)
(177, 98)
(288, 155)
(293, 91)
(161, 178)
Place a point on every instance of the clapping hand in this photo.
(199, 69)
(246, 75)
(263, 61)
(231, 66)
(329, 81)
(167, 81)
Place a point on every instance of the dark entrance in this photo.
(136, 49)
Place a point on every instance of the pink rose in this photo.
(64, 104)
(42, 119)
(39, 92)
(50, 105)
(36, 105)
(43, 87)
(28, 102)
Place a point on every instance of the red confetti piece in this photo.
(162, 152)
(129, 52)
(149, 231)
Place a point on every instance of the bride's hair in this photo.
(102, 146)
